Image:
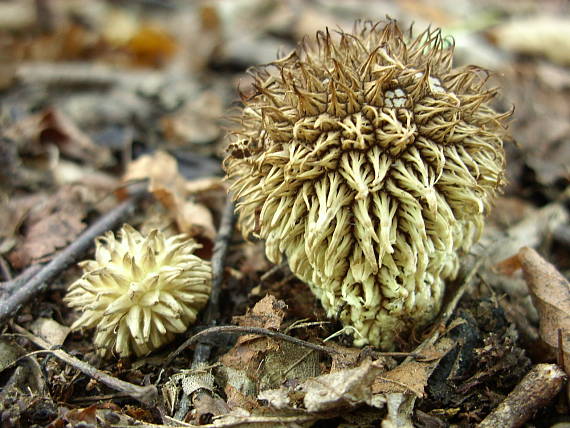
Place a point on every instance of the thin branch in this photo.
(234, 329)
(5, 269)
(535, 391)
(218, 261)
(84, 74)
(145, 394)
(8, 287)
(211, 314)
(9, 306)
(233, 421)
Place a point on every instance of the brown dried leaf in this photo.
(550, 293)
(50, 227)
(9, 353)
(267, 313)
(238, 400)
(13, 215)
(50, 330)
(52, 126)
(197, 122)
(86, 415)
(162, 171)
(346, 358)
(413, 376)
(59, 129)
(196, 220)
(509, 266)
(334, 391)
(172, 190)
(249, 349)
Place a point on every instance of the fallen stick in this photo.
(8, 287)
(203, 349)
(11, 304)
(536, 390)
(211, 314)
(145, 394)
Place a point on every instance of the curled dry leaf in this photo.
(550, 293)
(50, 226)
(334, 391)
(249, 350)
(412, 376)
(172, 190)
(50, 330)
(52, 126)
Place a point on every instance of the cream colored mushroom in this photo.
(369, 162)
(140, 291)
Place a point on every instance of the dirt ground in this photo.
(115, 112)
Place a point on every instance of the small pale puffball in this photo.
(140, 291)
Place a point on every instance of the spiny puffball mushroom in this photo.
(140, 291)
(369, 161)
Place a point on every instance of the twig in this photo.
(8, 287)
(39, 282)
(211, 314)
(218, 259)
(273, 270)
(5, 269)
(233, 421)
(145, 394)
(536, 390)
(223, 329)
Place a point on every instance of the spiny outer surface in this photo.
(140, 291)
(369, 161)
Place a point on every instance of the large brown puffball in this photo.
(369, 161)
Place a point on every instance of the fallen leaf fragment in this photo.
(52, 126)
(335, 391)
(165, 183)
(59, 129)
(9, 353)
(550, 293)
(267, 313)
(49, 227)
(197, 122)
(249, 350)
(13, 214)
(412, 376)
(86, 415)
(173, 191)
(50, 330)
